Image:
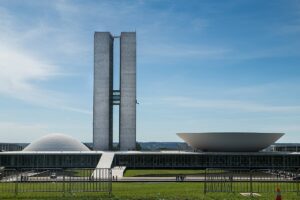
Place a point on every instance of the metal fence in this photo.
(251, 181)
(55, 180)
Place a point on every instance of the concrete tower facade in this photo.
(128, 91)
(103, 91)
(104, 95)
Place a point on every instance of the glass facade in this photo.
(155, 160)
(256, 161)
(49, 160)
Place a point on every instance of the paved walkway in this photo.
(106, 160)
(189, 179)
(160, 179)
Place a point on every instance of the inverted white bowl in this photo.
(230, 141)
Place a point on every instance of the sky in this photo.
(201, 66)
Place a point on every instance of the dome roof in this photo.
(230, 141)
(56, 142)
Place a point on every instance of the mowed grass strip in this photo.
(181, 191)
(79, 172)
(162, 172)
(147, 191)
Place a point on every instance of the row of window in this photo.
(40, 161)
(151, 161)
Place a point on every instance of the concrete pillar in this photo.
(103, 88)
(128, 91)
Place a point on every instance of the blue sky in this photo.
(202, 66)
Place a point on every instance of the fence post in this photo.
(205, 181)
(70, 184)
(297, 187)
(231, 183)
(110, 182)
(16, 184)
(251, 186)
(64, 187)
(298, 192)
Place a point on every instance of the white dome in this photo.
(56, 142)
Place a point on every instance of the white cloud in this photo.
(17, 69)
(20, 75)
(155, 27)
(183, 51)
(234, 105)
(22, 71)
(22, 132)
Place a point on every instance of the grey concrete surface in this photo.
(106, 160)
(128, 91)
(103, 88)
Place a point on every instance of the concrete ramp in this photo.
(106, 160)
(104, 165)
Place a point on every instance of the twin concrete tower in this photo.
(105, 97)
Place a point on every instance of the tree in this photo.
(138, 147)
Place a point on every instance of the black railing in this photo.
(55, 180)
(251, 181)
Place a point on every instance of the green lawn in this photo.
(162, 172)
(79, 172)
(178, 191)
(146, 191)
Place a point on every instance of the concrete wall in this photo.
(128, 91)
(103, 88)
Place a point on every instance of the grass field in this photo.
(79, 173)
(161, 172)
(147, 191)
